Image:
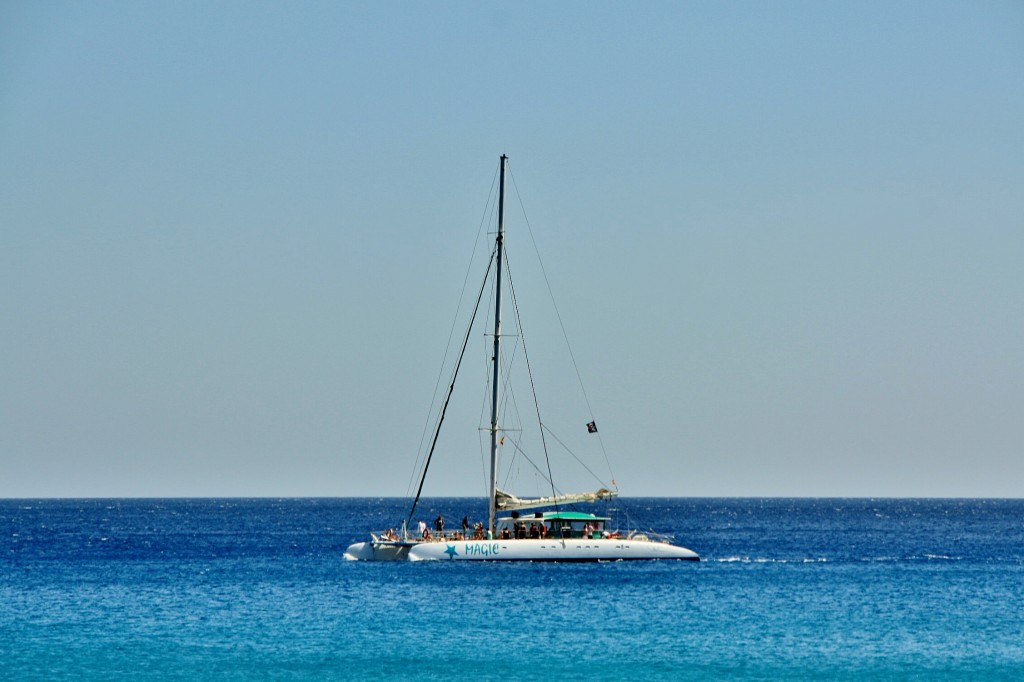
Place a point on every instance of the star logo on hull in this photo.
(451, 552)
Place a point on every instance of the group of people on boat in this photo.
(519, 530)
(424, 532)
(536, 531)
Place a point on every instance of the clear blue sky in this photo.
(787, 238)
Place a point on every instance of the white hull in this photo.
(574, 549)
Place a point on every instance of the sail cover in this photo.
(507, 501)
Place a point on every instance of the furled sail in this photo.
(507, 502)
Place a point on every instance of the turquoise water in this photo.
(257, 589)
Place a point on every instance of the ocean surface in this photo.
(252, 589)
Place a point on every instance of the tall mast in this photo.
(496, 358)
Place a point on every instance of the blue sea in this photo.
(253, 589)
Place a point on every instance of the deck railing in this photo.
(458, 535)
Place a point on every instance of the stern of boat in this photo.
(377, 551)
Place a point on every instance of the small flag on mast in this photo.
(592, 427)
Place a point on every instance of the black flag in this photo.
(592, 427)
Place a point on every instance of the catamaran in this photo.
(556, 533)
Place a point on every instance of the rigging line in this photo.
(451, 333)
(512, 421)
(485, 402)
(510, 412)
(481, 440)
(484, 441)
(529, 373)
(509, 403)
(558, 314)
(510, 406)
(519, 449)
(582, 463)
(451, 388)
(637, 522)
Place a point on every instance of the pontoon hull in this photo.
(575, 549)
